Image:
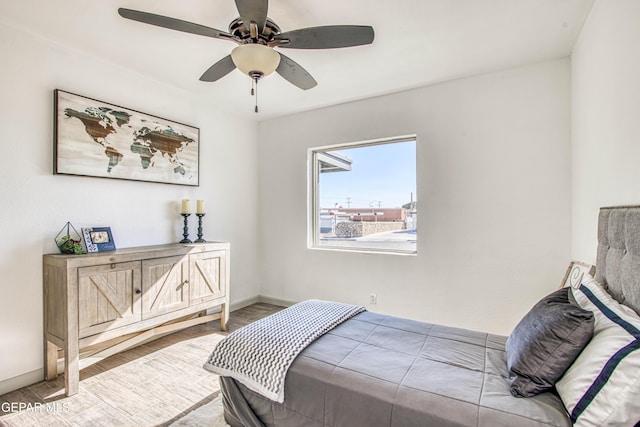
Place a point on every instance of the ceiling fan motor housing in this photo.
(242, 32)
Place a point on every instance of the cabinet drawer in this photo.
(108, 297)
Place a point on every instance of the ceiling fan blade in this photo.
(294, 73)
(327, 37)
(218, 70)
(253, 10)
(172, 23)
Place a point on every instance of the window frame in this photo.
(313, 194)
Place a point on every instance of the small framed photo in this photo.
(98, 239)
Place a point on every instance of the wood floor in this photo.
(154, 384)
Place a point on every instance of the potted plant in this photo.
(68, 241)
(70, 246)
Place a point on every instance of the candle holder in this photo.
(185, 230)
(200, 239)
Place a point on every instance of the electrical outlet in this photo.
(373, 299)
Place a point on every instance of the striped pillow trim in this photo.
(611, 365)
(635, 332)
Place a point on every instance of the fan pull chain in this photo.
(255, 92)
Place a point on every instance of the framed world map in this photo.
(94, 138)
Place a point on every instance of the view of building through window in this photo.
(365, 196)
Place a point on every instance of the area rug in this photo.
(207, 415)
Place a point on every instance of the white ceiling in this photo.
(417, 43)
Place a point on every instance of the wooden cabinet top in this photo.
(132, 254)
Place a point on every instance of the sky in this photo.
(381, 175)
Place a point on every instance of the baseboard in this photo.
(275, 301)
(260, 298)
(237, 305)
(15, 383)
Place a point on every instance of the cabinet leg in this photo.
(71, 369)
(50, 361)
(224, 316)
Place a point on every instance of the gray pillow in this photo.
(546, 342)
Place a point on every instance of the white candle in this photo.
(200, 206)
(185, 206)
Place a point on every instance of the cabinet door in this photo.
(207, 273)
(108, 297)
(165, 285)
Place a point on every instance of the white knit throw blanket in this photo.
(259, 354)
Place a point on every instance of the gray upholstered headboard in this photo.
(618, 259)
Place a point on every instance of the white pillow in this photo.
(602, 386)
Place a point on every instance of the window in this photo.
(363, 196)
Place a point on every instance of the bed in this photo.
(378, 370)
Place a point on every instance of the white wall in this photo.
(605, 118)
(36, 204)
(493, 190)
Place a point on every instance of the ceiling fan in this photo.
(257, 36)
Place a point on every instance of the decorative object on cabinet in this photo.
(69, 241)
(185, 228)
(98, 239)
(185, 212)
(105, 302)
(94, 138)
(200, 239)
(200, 213)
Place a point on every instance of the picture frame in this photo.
(98, 239)
(575, 272)
(97, 139)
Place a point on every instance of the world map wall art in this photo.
(93, 138)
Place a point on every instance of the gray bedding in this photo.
(376, 370)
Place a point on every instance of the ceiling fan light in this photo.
(255, 58)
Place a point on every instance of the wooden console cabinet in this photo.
(98, 304)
